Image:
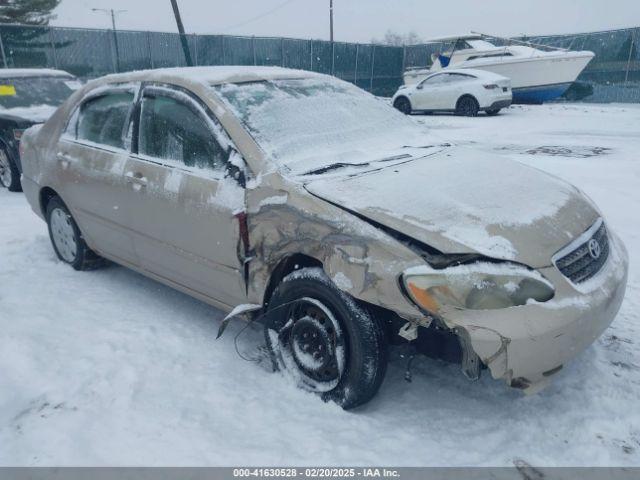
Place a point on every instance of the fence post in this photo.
(224, 53)
(633, 38)
(333, 57)
(282, 50)
(355, 76)
(373, 59)
(195, 41)
(4, 57)
(253, 50)
(311, 49)
(404, 58)
(149, 49)
(53, 49)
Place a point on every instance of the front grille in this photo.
(581, 262)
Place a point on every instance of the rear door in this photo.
(186, 210)
(91, 156)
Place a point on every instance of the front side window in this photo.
(171, 129)
(436, 79)
(101, 120)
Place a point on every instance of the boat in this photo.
(538, 73)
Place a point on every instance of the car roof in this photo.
(32, 72)
(214, 75)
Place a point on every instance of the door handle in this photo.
(137, 179)
(64, 159)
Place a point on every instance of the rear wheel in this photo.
(467, 106)
(493, 112)
(328, 343)
(66, 238)
(403, 104)
(9, 174)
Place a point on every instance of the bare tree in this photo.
(398, 39)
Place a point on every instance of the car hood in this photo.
(459, 201)
(33, 114)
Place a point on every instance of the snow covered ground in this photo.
(110, 368)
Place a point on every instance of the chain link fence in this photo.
(612, 76)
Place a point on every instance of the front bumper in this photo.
(526, 345)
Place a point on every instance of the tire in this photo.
(350, 343)
(9, 173)
(493, 112)
(403, 104)
(467, 106)
(67, 240)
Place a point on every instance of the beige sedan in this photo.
(302, 200)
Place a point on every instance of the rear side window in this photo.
(101, 120)
(171, 129)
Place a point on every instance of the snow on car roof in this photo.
(215, 75)
(32, 72)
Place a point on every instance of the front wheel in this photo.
(467, 106)
(67, 240)
(493, 112)
(403, 104)
(329, 344)
(9, 174)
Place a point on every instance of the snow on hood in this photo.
(461, 202)
(35, 113)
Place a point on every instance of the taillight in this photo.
(491, 86)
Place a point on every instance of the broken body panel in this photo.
(356, 225)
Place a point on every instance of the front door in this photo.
(185, 209)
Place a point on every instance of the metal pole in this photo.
(4, 58)
(282, 51)
(331, 20)
(183, 38)
(115, 39)
(149, 49)
(355, 76)
(633, 35)
(373, 60)
(224, 53)
(195, 41)
(53, 49)
(253, 50)
(311, 49)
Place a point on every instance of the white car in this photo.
(463, 91)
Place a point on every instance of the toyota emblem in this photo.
(594, 249)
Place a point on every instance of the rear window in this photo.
(30, 91)
(102, 119)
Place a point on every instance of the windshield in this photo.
(311, 123)
(30, 91)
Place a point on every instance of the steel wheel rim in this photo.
(63, 234)
(318, 361)
(5, 170)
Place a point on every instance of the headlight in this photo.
(478, 286)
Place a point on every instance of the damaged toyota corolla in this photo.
(304, 201)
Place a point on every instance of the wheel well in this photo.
(467, 95)
(289, 264)
(46, 194)
(402, 97)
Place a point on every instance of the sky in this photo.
(358, 20)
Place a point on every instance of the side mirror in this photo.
(420, 87)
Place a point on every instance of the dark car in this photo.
(27, 97)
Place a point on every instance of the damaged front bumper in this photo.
(526, 345)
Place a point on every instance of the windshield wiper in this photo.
(335, 166)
